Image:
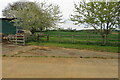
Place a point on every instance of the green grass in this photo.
(78, 33)
(55, 36)
(77, 46)
(79, 42)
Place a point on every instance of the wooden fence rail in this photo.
(21, 38)
(77, 38)
(83, 36)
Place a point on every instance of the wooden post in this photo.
(23, 39)
(47, 37)
(16, 38)
(88, 37)
(72, 38)
(16, 35)
(59, 40)
(39, 36)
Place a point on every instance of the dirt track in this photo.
(49, 67)
(59, 68)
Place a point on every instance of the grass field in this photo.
(77, 46)
(79, 36)
(79, 40)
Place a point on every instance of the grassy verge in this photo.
(77, 46)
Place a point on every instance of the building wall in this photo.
(7, 27)
(0, 26)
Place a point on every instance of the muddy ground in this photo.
(59, 63)
(15, 50)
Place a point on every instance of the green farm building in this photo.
(7, 27)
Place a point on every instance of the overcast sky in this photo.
(66, 7)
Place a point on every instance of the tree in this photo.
(33, 16)
(102, 16)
